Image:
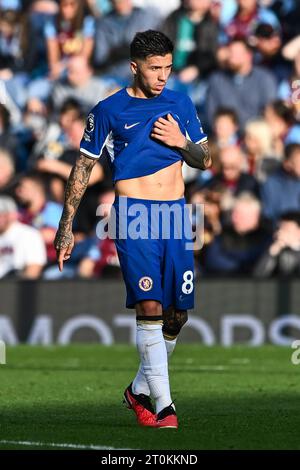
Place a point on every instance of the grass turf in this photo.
(235, 398)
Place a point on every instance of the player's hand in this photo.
(63, 243)
(168, 132)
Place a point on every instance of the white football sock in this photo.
(154, 362)
(170, 345)
(139, 384)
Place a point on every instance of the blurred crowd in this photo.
(239, 60)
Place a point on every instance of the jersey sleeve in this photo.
(193, 126)
(96, 132)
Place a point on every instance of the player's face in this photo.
(152, 73)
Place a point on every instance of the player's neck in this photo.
(138, 92)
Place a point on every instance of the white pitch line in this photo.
(65, 446)
(238, 361)
(204, 368)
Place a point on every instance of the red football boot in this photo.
(167, 418)
(142, 406)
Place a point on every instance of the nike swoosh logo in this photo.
(132, 125)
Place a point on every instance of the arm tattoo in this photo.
(207, 161)
(197, 155)
(76, 186)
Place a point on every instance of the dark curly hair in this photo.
(150, 43)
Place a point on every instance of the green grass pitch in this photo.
(235, 398)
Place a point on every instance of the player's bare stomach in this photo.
(164, 185)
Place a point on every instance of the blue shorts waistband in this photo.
(148, 202)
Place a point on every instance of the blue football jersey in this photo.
(123, 125)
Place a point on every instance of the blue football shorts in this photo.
(154, 245)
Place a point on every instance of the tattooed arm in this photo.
(76, 186)
(196, 155)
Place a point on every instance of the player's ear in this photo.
(133, 67)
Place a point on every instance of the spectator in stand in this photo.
(281, 191)
(55, 140)
(22, 250)
(39, 13)
(59, 169)
(211, 205)
(37, 211)
(248, 15)
(7, 139)
(268, 45)
(243, 86)
(223, 10)
(225, 134)
(79, 84)
(7, 171)
(280, 117)
(114, 33)
(232, 178)
(33, 127)
(108, 265)
(14, 48)
(16, 138)
(288, 12)
(86, 252)
(259, 149)
(289, 89)
(11, 54)
(237, 249)
(226, 127)
(164, 8)
(10, 105)
(71, 33)
(195, 35)
(23, 58)
(94, 257)
(282, 257)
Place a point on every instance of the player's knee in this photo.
(174, 320)
(148, 308)
(149, 324)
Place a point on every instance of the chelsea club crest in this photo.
(90, 123)
(145, 283)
